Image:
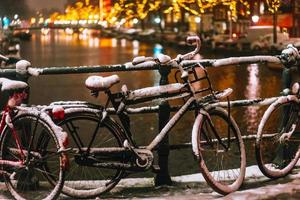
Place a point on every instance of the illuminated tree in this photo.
(128, 9)
(198, 7)
(273, 8)
(80, 11)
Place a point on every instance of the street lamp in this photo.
(197, 19)
(255, 18)
(135, 21)
(157, 20)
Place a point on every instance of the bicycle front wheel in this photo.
(278, 139)
(221, 150)
(41, 159)
(86, 129)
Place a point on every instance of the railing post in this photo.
(286, 78)
(163, 177)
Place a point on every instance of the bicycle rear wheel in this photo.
(276, 156)
(221, 150)
(82, 180)
(41, 160)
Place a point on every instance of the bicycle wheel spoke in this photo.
(82, 170)
(32, 181)
(222, 151)
(276, 155)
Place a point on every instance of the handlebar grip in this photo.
(23, 67)
(290, 56)
(138, 60)
(141, 59)
(291, 51)
(4, 58)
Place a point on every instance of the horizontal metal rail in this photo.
(151, 66)
(245, 137)
(233, 61)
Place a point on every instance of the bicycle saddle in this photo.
(99, 83)
(7, 84)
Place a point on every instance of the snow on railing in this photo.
(148, 65)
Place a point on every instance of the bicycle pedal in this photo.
(155, 168)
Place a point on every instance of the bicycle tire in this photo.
(110, 135)
(210, 150)
(31, 182)
(275, 157)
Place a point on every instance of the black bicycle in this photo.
(104, 151)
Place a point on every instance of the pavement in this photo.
(255, 187)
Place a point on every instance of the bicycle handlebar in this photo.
(23, 67)
(192, 40)
(289, 57)
(143, 62)
(4, 58)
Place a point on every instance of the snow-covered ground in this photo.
(255, 186)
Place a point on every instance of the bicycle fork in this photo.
(6, 119)
(218, 140)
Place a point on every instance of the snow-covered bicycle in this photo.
(32, 148)
(278, 136)
(104, 151)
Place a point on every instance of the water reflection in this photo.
(252, 92)
(135, 47)
(114, 42)
(94, 42)
(123, 43)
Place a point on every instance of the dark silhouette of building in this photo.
(11, 7)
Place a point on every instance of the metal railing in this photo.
(164, 109)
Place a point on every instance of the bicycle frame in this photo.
(6, 120)
(192, 102)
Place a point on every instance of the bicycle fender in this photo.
(195, 131)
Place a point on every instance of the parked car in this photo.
(265, 43)
(222, 41)
(252, 34)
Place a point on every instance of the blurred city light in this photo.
(255, 18)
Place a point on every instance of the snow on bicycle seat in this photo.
(99, 83)
(7, 84)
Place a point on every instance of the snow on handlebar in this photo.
(5, 59)
(290, 56)
(144, 62)
(23, 67)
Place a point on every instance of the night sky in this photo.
(40, 4)
(25, 8)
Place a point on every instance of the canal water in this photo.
(60, 49)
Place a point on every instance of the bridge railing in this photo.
(287, 58)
